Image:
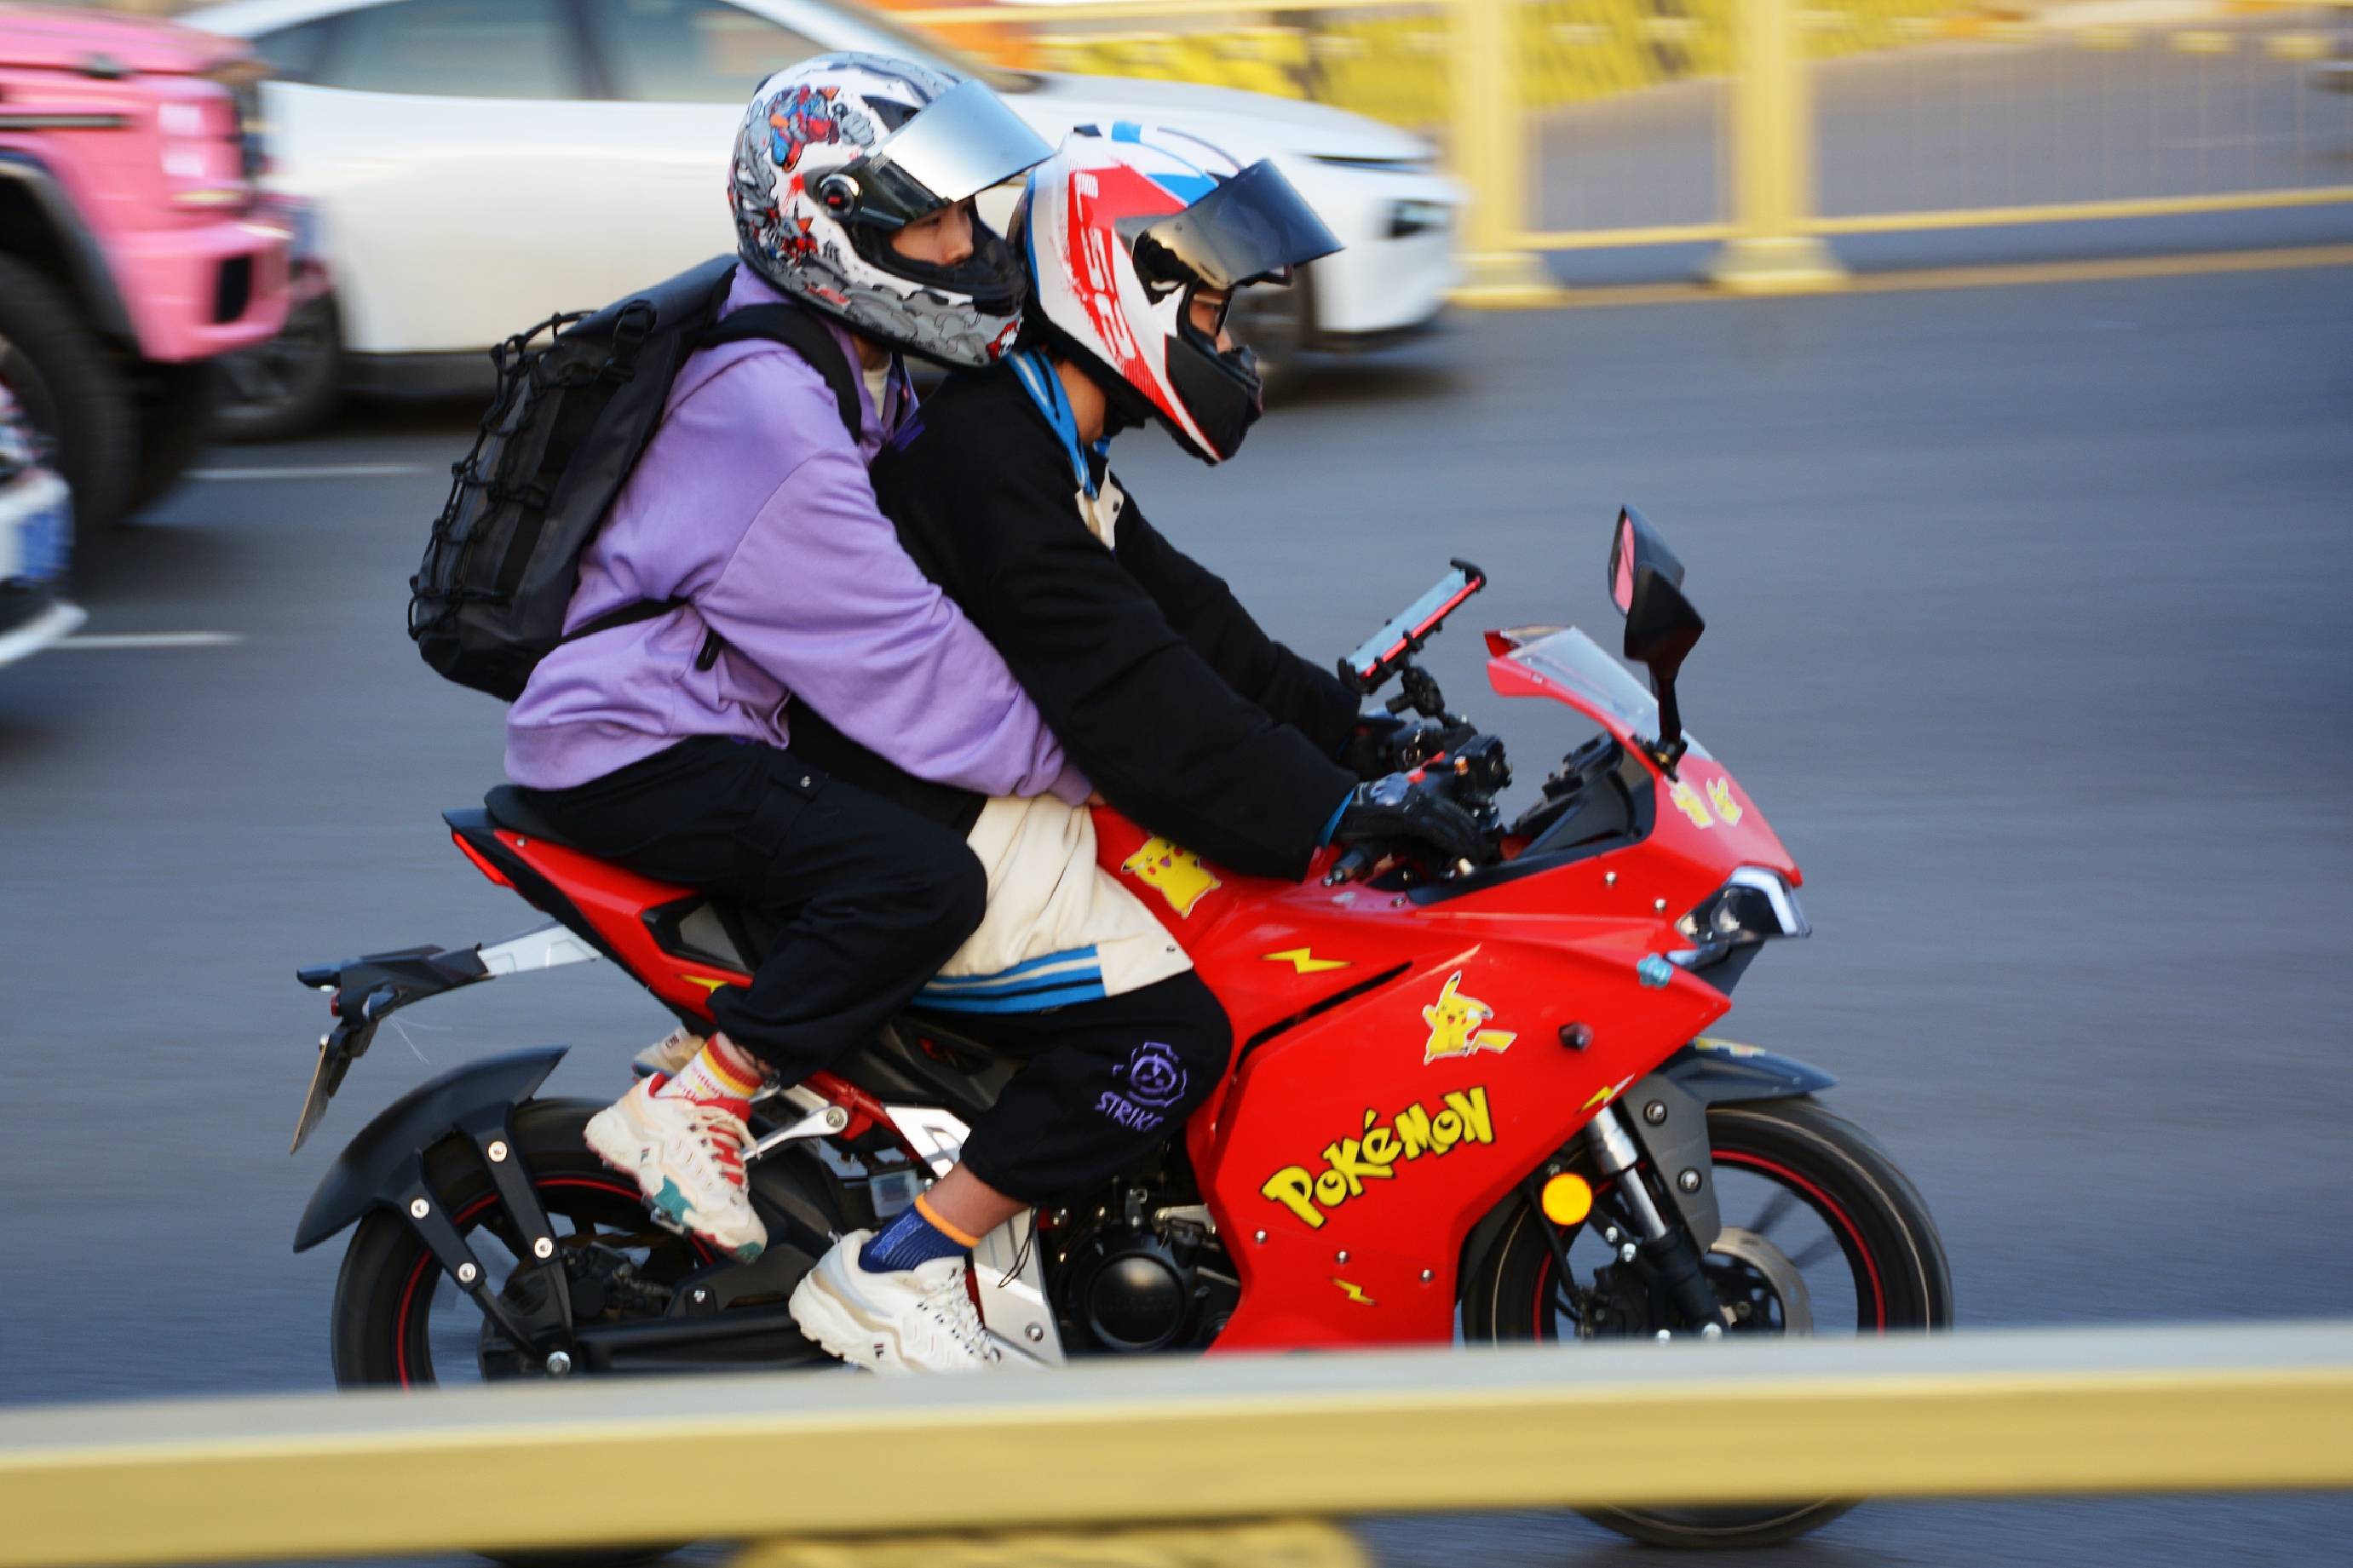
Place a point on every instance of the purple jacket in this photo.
(752, 501)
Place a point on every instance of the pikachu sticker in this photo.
(1455, 1023)
(1178, 874)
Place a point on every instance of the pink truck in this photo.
(132, 247)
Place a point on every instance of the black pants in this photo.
(869, 899)
(1105, 1083)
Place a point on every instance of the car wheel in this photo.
(287, 386)
(1278, 326)
(175, 417)
(61, 378)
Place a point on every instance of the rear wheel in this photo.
(400, 1321)
(1823, 1236)
(286, 387)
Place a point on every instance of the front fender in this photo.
(1667, 1113)
(376, 1166)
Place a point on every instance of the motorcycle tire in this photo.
(388, 1279)
(1830, 1166)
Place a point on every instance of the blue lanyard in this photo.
(1045, 389)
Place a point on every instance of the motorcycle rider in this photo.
(1160, 685)
(665, 745)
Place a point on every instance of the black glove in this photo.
(1400, 808)
(1371, 751)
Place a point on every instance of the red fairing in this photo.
(1383, 1128)
(1399, 1065)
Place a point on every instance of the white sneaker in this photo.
(913, 1320)
(688, 1158)
(668, 1057)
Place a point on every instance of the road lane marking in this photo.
(153, 640)
(313, 471)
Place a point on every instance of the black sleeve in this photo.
(1202, 610)
(1160, 734)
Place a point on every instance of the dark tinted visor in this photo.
(962, 142)
(1252, 228)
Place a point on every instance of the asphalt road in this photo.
(2027, 620)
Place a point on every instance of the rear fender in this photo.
(382, 1166)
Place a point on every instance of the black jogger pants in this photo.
(1104, 1083)
(870, 897)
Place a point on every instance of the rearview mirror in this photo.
(1662, 627)
(1633, 546)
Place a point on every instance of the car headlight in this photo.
(1754, 905)
(1410, 217)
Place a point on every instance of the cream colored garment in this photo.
(1048, 899)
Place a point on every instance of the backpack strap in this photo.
(806, 335)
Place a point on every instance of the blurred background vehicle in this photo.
(472, 165)
(130, 251)
(2334, 74)
(36, 538)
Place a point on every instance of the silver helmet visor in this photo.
(961, 144)
(1254, 227)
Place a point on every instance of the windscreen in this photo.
(1606, 690)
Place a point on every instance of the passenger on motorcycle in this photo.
(665, 745)
(1186, 715)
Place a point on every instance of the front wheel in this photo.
(1822, 1236)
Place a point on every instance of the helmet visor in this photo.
(962, 142)
(1254, 227)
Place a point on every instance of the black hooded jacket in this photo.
(1185, 714)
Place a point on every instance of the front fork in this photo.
(1668, 1246)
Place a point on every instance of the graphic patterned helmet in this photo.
(837, 154)
(1120, 231)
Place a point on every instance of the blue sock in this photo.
(908, 1241)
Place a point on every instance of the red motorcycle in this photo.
(1467, 1100)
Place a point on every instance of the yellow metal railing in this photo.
(1727, 121)
(547, 1466)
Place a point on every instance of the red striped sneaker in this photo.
(688, 1158)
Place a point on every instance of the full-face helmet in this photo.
(1121, 230)
(840, 152)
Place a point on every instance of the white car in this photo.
(36, 535)
(471, 166)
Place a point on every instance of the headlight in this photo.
(1407, 218)
(1754, 905)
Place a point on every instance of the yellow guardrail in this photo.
(528, 1466)
(1481, 74)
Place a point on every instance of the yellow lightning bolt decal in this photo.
(1604, 1096)
(1304, 960)
(711, 986)
(1354, 1292)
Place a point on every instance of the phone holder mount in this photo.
(1389, 651)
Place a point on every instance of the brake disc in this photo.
(1772, 1268)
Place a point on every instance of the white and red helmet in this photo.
(839, 153)
(1119, 229)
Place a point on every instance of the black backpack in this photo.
(579, 396)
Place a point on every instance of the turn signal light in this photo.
(1567, 1200)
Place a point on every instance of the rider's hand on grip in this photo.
(1407, 807)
